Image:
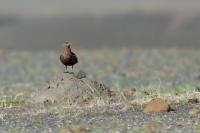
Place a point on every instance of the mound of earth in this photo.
(69, 88)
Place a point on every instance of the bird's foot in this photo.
(68, 72)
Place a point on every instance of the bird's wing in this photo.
(74, 57)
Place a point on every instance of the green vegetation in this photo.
(149, 91)
(4, 102)
(186, 88)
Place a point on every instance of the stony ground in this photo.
(168, 73)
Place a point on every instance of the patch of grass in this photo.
(3, 114)
(185, 115)
(4, 102)
(140, 129)
(197, 126)
(184, 89)
(36, 123)
(182, 101)
(63, 110)
(73, 126)
(149, 91)
(157, 119)
(111, 112)
(61, 126)
(16, 130)
(118, 82)
(197, 89)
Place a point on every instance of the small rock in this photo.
(81, 74)
(194, 111)
(181, 123)
(157, 105)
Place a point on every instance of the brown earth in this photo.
(67, 88)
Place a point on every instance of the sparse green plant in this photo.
(3, 114)
(4, 102)
(185, 115)
(184, 89)
(182, 102)
(149, 91)
(63, 110)
(141, 128)
(61, 127)
(118, 82)
(111, 112)
(197, 89)
(73, 126)
(35, 123)
(120, 94)
(197, 125)
(156, 119)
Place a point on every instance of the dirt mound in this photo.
(69, 88)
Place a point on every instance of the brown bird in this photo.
(67, 57)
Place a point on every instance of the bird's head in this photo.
(67, 45)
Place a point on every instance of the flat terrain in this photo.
(172, 74)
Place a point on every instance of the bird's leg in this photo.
(66, 68)
(72, 67)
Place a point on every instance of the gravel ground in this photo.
(168, 70)
(99, 119)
